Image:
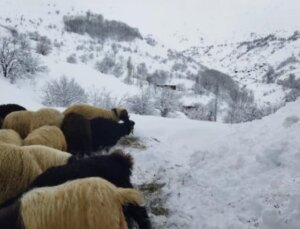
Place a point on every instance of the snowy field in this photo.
(214, 175)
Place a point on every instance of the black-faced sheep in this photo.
(77, 132)
(90, 203)
(19, 166)
(106, 133)
(90, 112)
(8, 136)
(46, 116)
(116, 168)
(5, 109)
(50, 136)
(19, 121)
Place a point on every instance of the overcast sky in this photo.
(214, 19)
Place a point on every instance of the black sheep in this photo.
(5, 109)
(77, 132)
(106, 133)
(116, 168)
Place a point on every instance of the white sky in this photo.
(213, 19)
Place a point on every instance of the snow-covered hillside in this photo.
(259, 64)
(212, 175)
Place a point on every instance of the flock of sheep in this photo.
(50, 179)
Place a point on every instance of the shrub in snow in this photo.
(103, 98)
(141, 71)
(63, 92)
(142, 103)
(16, 59)
(167, 101)
(158, 77)
(72, 59)
(201, 112)
(105, 66)
(270, 75)
(108, 65)
(43, 46)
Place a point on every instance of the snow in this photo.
(224, 176)
(216, 175)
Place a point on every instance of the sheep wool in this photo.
(46, 116)
(19, 121)
(10, 137)
(19, 166)
(90, 203)
(50, 136)
(91, 112)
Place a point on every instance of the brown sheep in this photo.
(19, 166)
(46, 116)
(90, 203)
(50, 136)
(10, 137)
(19, 121)
(90, 112)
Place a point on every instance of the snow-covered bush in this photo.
(167, 101)
(43, 46)
(108, 65)
(242, 108)
(16, 59)
(72, 59)
(103, 98)
(142, 103)
(63, 92)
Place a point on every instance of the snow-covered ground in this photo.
(215, 176)
(221, 176)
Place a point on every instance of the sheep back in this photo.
(17, 170)
(77, 204)
(46, 116)
(18, 121)
(90, 112)
(50, 136)
(47, 157)
(9, 136)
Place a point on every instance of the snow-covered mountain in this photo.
(194, 174)
(261, 64)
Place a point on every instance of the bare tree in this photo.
(167, 101)
(16, 59)
(8, 58)
(63, 92)
(142, 103)
(43, 46)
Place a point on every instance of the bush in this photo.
(44, 46)
(72, 59)
(63, 92)
(167, 101)
(142, 103)
(16, 59)
(103, 98)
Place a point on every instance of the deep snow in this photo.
(216, 175)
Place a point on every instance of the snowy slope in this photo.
(214, 175)
(248, 62)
